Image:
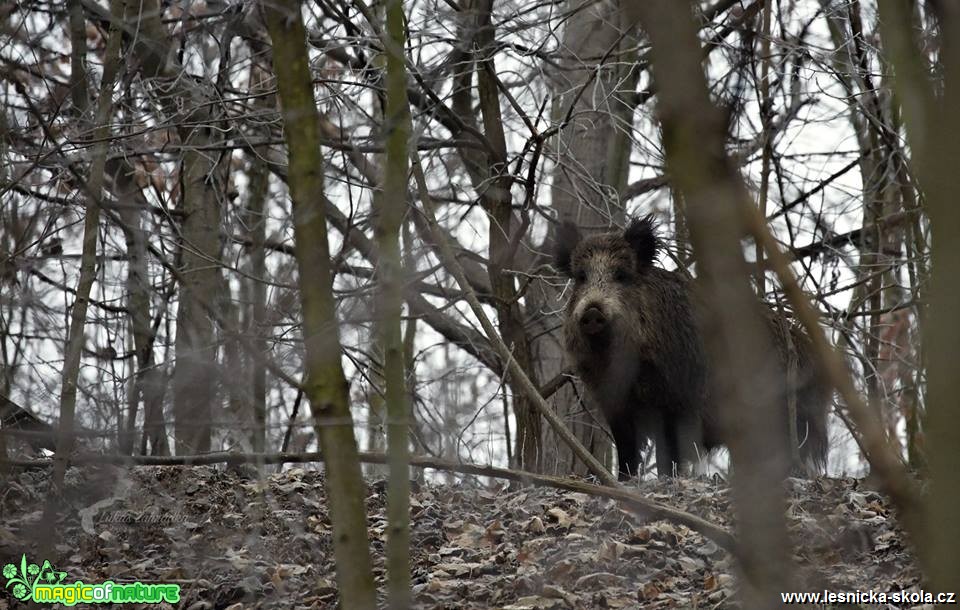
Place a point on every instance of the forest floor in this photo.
(231, 540)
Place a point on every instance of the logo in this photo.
(44, 584)
(30, 575)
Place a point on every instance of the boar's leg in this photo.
(679, 435)
(668, 452)
(628, 450)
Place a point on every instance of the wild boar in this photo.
(635, 335)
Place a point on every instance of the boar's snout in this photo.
(593, 321)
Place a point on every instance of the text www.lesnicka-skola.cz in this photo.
(869, 597)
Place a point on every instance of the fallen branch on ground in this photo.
(646, 508)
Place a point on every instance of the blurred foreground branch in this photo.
(933, 128)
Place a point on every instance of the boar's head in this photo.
(612, 275)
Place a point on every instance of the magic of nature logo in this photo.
(44, 584)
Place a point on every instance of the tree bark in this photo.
(519, 377)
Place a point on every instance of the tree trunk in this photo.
(257, 223)
(391, 204)
(195, 371)
(491, 180)
(149, 381)
(325, 385)
(592, 87)
(76, 338)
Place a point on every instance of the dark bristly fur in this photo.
(633, 331)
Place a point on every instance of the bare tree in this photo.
(392, 205)
(326, 387)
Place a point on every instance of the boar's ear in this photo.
(567, 238)
(642, 237)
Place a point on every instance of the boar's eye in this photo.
(621, 274)
(580, 275)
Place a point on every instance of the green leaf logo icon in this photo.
(21, 579)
